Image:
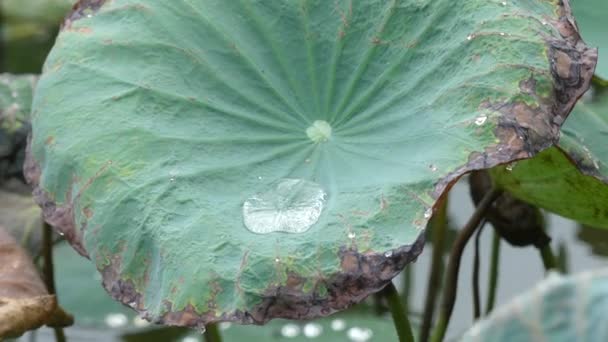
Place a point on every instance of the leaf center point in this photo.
(319, 131)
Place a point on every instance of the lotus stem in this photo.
(400, 319)
(407, 286)
(493, 274)
(49, 272)
(475, 278)
(562, 258)
(212, 333)
(549, 260)
(439, 226)
(451, 283)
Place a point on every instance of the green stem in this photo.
(562, 258)
(451, 283)
(407, 286)
(549, 260)
(48, 271)
(438, 226)
(475, 280)
(400, 320)
(493, 277)
(212, 333)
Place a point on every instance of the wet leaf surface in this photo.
(243, 161)
(560, 308)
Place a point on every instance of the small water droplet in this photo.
(260, 178)
(89, 16)
(470, 37)
(428, 213)
(225, 325)
(502, 33)
(61, 233)
(116, 320)
(480, 120)
(357, 334)
(290, 330)
(338, 325)
(140, 322)
(172, 179)
(433, 167)
(504, 3)
(352, 235)
(312, 330)
(277, 260)
(543, 22)
(290, 205)
(190, 339)
(388, 254)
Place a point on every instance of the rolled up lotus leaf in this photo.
(246, 160)
(560, 308)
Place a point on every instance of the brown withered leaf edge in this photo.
(572, 67)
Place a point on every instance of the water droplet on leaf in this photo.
(290, 330)
(428, 213)
(312, 330)
(290, 205)
(470, 37)
(388, 254)
(480, 120)
(338, 325)
(433, 167)
(352, 235)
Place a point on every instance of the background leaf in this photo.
(560, 308)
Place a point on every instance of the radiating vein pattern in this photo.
(237, 160)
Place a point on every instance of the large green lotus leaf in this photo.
(245, 160)
(591, 18)
(570, 179)
(560, 308)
